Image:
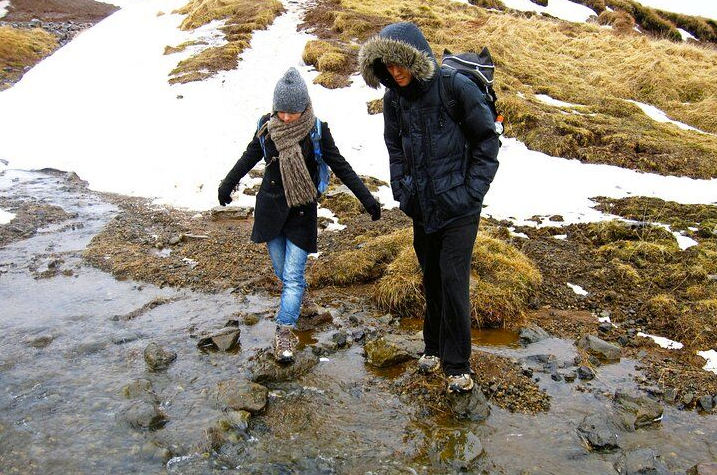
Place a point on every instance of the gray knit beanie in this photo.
(291, 93)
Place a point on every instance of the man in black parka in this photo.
(440, 172)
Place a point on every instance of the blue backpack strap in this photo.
(262, 137)
(323, 168)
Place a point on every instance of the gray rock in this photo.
(264, 368)
(586, 373)
(157, 358)
(140, 389)
(599, 348)
(709, 468)
(142, 414)
(570, 376)
(390, 350)
(600, 432)
(605, 327)
(125, 337)
(231, 212)
(340, 338)
(641, 462)
(473, 405)
(239, 395)
(226, 339)
(636, 411)
(687, 398)
(456, 449)
(532, 334)
(705, 403)
(325, 346)
(670, 395)
(386, 319)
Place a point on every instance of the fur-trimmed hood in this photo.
(399, 43)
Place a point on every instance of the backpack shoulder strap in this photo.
(316, 140)
(261, 131)
(447, 77)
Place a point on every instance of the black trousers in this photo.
(445, 259)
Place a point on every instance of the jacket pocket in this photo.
(452, 196)
(407, 198)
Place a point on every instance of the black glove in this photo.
(375, 211)
(225, 195)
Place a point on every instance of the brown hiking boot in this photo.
(284, 344)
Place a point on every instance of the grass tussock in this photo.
(502, 281)
(20, 48)
(241, 18)
(361, 265)
(334, 60)
(581, 64)
(181, 47)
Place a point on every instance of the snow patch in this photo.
(711, 357)
(512, 232)
(659, 116)
(577, 289)
(662, 341)
(563, 9)
(686, 35)
(4, 4)
(562, 237)
(683, 241)
(6, 216)
(546, 99)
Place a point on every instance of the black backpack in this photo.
(479, 68)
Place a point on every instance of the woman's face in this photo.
(288, 117)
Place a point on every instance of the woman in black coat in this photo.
(285, 213)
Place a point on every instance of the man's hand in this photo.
(225, 195)
(375, 211)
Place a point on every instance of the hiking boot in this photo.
(284, 344)
(428, 363)
(460, 383)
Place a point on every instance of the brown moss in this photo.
(181, 47)
(22, 48)
(375, 106)
(241, 17)
(331, 80)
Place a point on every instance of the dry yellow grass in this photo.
(20, 48)
(577, 63)
(502, 281)
(361, 265)
(241, 17)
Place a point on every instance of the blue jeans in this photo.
(289, 263)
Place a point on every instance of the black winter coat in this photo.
(440, 170)
(272, 215)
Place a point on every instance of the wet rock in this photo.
(605, 327)
(341, 338)
(636, 411)
(230, 429)
(705, 402)
(314, 321)
(670, 395)
(251, 319)
(325, 346)
(125, 337)
(142, 414)
(456, 449)
(641, 462)
(231, 212)
(473, 405)
(140, 389)
(157, 358)
(226, 339)
(703, 469)
(532, 334)
(239, 395)
(570, 376)
(264, 368)
(556, 377)
(599, 348)
(390, 350)
(239, 419)
(41, 341)
(687, 399)
(600, 432)
(585, 373)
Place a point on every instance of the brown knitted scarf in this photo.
(299, 188)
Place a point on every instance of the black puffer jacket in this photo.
(272, 214)
(440, 171)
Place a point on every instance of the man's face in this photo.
(401, 75)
